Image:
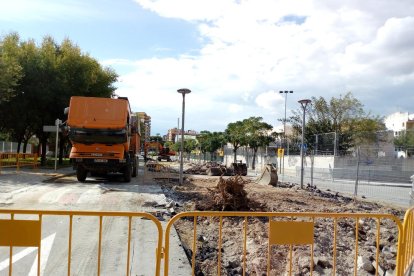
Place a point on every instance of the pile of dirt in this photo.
(230, 194)
(237, 193)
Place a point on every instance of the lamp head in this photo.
(305, 102)
(184, 91)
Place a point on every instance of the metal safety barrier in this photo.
(407, 258)
(18, 160)
(19, 231)
(286, 243)
(287, 235)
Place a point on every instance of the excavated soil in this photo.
(203, 193)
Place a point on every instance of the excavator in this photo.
(157, 149)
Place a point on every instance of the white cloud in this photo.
(269, 100)
(252, 48)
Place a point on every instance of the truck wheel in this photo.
(81, 174)
(128, 173)
(134, 168)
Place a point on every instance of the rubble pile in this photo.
(207, 168)
(353, 256)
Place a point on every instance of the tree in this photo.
(203, 142)
(189, 146)
(235, 135)
(51, 74)
(156, 138)
(343, 116)
(257, 135)
(210, 142)
(405, 142)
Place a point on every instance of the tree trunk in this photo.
(61, 147)
(25, 142)
(254, 158)
(235, 155)
(19, 144)
(43, 141)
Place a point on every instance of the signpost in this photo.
(56, 129)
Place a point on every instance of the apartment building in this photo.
(399, 122)
(145, 122)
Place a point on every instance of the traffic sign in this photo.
(50, 129)
(280, 152)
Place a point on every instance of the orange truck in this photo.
(156, 148)
(104, 134)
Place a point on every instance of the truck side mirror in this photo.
(66, 111)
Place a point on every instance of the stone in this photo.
(323, 262)
(389, 273)
(380, 270)
(304, 262)
(365, 264)
(170, 204)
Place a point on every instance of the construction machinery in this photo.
(104, 135)
(268, 176)
(239, 168)
(158, 150)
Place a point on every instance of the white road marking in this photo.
(5, 264)
(46, 243)
(46, 248)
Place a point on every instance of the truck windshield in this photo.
(98, 136)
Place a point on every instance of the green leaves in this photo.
(344, 116)
(37, 81)
(10, 69)
(210, 141)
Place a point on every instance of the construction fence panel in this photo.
(18, 160)
(223, 243)
(407, 261)
(99, 243)
(259, 243)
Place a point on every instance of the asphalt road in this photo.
(49, 190)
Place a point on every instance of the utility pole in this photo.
(182, 91)
(304, 104)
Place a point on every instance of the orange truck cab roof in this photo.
(98, 113)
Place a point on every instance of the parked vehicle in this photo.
(104, 135)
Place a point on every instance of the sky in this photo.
(235, 55)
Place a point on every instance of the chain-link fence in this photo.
(374, 169)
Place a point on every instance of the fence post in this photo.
(357, 173)
(17, 161)
(312, 159)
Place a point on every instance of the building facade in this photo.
(399, 122)
(145, 123)
(174, 135)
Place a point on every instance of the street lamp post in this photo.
(284, 129)
(304, 104)
(182, 91)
